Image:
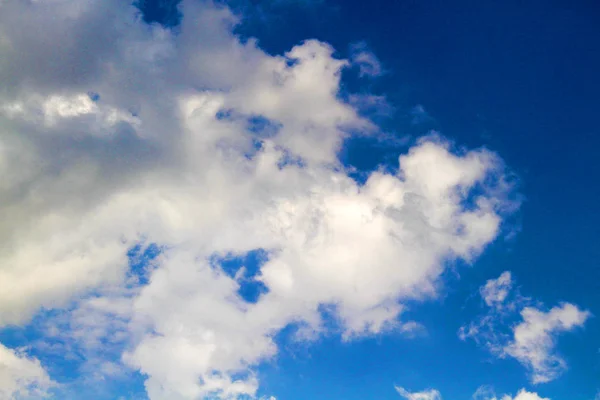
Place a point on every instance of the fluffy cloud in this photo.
(525, 395)
(116, 133)
(533, 340)
(22, 376)
(487, 393)
(430, 394)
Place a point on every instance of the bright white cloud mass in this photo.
(116, 133)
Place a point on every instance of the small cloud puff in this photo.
(495, 291)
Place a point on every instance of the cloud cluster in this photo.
(532, 341)
(116, 133)
(487, 393)
(482, 393)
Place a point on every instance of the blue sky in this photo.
(205, 200)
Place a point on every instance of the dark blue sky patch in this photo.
(140, 261)
(252, 261)
(95, 97)
(363, 155)
(255, 147)
(224, 114)
(250, 288)
(262, 126)
(291, 62)
(163, 12)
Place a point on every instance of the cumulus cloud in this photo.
(22, 376)
(116, 133)
(532, 341)
(430, 394)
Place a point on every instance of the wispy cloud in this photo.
(495, 291)
(367, 62)
(429, 394)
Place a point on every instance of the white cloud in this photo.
(494, 291)
(50, 111)
(430, 394)
(483, 392)
(533, 340)
(525, 395)
(165, 156)
(22, 376)
(487, 393)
